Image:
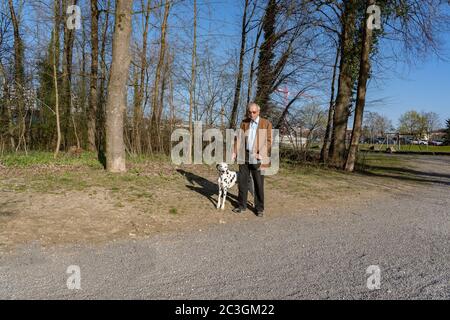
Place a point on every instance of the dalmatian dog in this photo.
(227, 179)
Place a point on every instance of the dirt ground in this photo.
(54, 205)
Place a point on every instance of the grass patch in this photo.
(387, 165)
(366, 160)
(309, 179)
(173, 211)
(407, 148)
(148, 173)
(39, 158)
(143, 159)
(44, 158)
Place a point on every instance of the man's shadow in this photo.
(206, 188)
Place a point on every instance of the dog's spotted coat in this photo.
(227, 180)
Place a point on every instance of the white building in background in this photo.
(291, 140)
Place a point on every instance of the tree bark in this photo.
(7, 106)
(266, 56)
(137, 112)
(192, 86)
(55, 83)
(156, 107)
(237, 90)
(327, 139)
(341, 113)
(101, 114)
(19, 73)
(171, 92)
(252, 66)
(83, 101)
(364, 70)
(67, 75)
(136, 145)
(116, 99)
(92, 112)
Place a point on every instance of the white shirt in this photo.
(252, 133)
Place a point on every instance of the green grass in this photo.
(39, 158)
(408, 148)
(43, 158)
(309, 179)
(39, 172)
(400, 169)
(70, 173)
(379, 159)
(381, 164)
(143, 159)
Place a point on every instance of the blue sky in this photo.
(423, 87)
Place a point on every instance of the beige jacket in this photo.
(263, 141)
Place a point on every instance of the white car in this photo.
(420, 142)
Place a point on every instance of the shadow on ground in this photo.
(205, 187)
(408, 174)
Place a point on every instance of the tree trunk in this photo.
(137, 112)
(7, 106)
(136, 144)
(364, 71)
(237, 90)
(327, 139)
(19, 73)
(55, 83)
(116, 100)
(161, 102)
(266, 56)
(83, 101)
(66, 96)
(341, 112)
(101, 114)
(192, 86)
(92, 112)
(155, 119)
(171, 92)
(252, 66)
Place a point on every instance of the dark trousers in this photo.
(258, 181)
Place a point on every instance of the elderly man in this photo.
(258, 141)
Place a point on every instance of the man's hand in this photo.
(233, 156)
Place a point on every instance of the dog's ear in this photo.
(217, 166)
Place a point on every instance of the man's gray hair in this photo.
(253, 104)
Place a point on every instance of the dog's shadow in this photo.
(206, 187)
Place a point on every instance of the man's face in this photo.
(253, 112)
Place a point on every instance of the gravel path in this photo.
(317, 254)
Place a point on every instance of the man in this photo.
(258, 141)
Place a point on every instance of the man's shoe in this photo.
(260, 214)
(239, 210)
